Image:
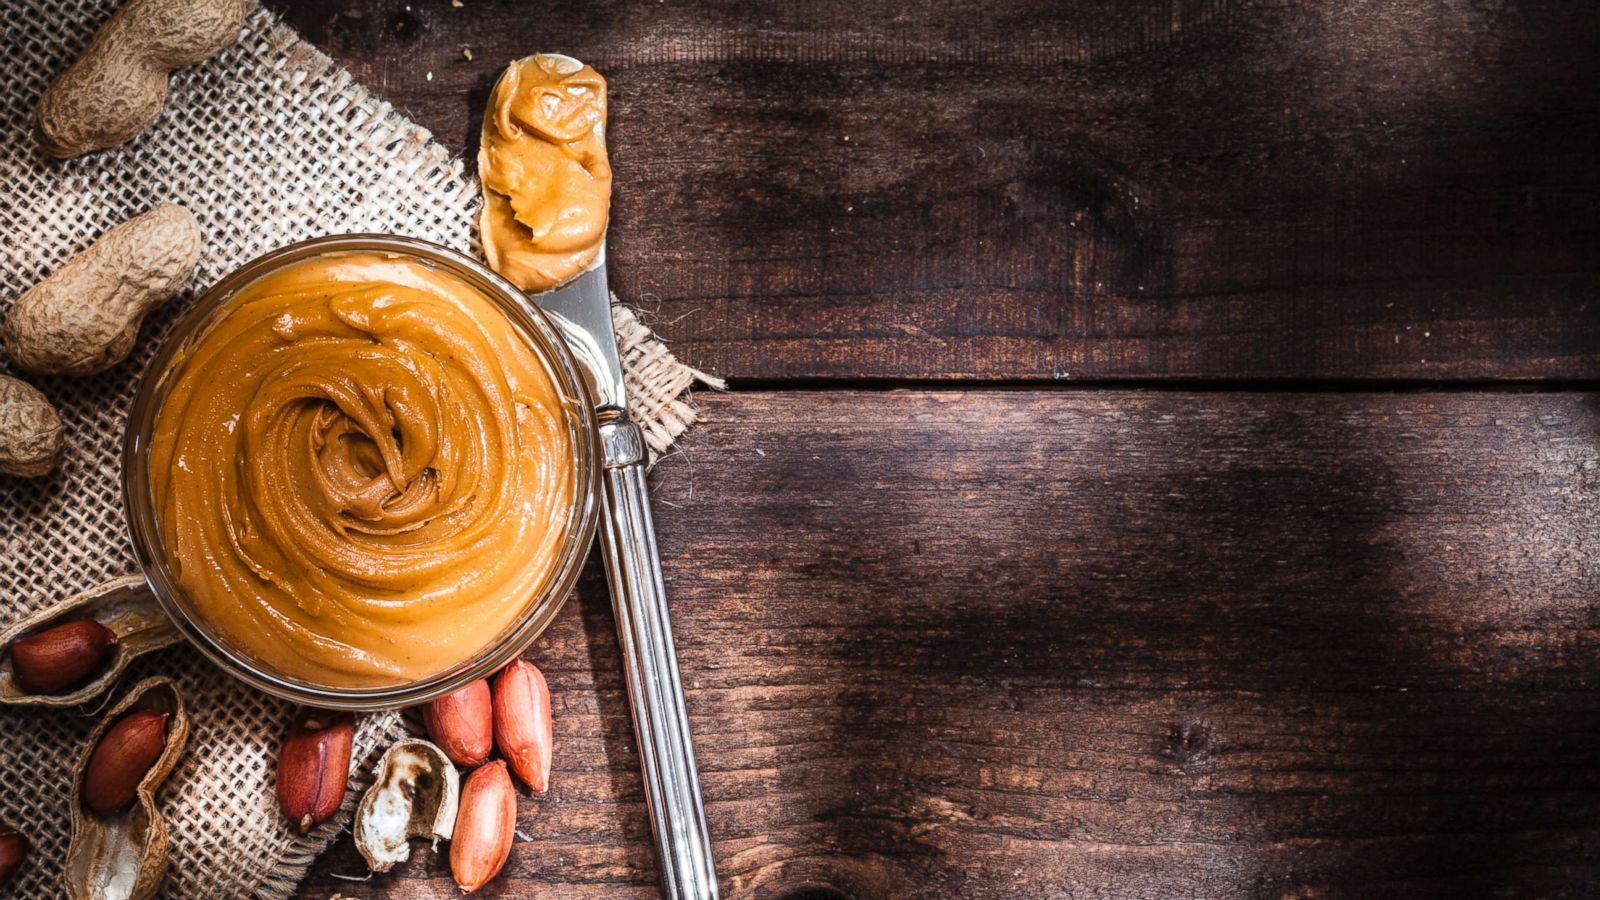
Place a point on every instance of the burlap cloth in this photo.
(268, 143)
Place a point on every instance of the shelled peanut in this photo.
(522, 726)
(314, 767)
(13, 853)
(462, 723)
(124, 755)
(485, 826)
(62, 657)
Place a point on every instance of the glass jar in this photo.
(577, 407)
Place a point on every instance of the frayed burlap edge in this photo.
(658, 383)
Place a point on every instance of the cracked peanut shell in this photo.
(124, 605)
(414, 793)
(123, 856)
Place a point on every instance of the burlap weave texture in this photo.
(267, 144)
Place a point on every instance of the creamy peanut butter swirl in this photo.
(546, 178)
(362, 473)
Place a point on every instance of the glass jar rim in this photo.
(547, 343)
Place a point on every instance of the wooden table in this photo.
(1162, 453)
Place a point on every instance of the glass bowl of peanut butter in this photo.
(362, 472)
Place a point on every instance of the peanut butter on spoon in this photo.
(546, 179)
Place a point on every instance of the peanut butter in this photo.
(362, 472)
(546, 179)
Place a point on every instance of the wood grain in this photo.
(1099, 189)
(1103, 644)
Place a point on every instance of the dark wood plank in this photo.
(1099, 189)
(1104, 644)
